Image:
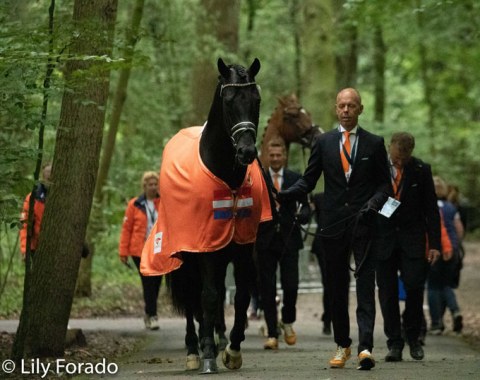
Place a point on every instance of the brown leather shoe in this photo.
(340, 358)
(289, 334)
(271, 344)
(365, 360)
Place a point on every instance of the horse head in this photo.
(297, 124)
(291, 122)
(240, 103)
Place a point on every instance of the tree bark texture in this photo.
(318, 84)
(379, 72)
(96, 225)
(346, 47)
(74, 172)
(217, 25)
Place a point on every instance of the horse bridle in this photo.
(242, 126)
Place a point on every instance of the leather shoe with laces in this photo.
(289, 335)
(416, 350)
(394, 355)
(271, 344)
(365, 360)
(341, 356)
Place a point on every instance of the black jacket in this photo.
(416, 217)
(369, 180)
(284, 220)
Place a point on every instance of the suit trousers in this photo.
(413, 272)
(151, 288)
(268, 260)
(337, 255)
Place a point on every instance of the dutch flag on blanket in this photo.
(224, 203)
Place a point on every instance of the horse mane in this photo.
(285, 125)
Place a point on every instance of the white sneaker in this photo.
(151, 322)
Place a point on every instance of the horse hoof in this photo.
(209, 366)
(193, 362)
(232, 359)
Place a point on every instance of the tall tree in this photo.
(379, 73)
(84, 283)
(346, 45)
(318, 85)
(217, 27)
(44, 320)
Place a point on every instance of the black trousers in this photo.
(151, 288)
(413, 271)
(337, 254)
(268, 260)
(327, 293)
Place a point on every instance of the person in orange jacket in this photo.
(40, 195)
(140, 216)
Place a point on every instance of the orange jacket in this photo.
(40, 195)
(446, 244)
(134, 227)
(198, 212)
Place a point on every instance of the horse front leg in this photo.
(243, 270)
(191, 342)
(209, 300)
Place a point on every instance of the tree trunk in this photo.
(294, 14)
(379, 70)
(346, 54)
(75, 166)
(219, 19)
(96, 225)
(318, 84)
(427, 85)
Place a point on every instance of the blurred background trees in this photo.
(416, 64)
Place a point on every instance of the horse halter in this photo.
(242, 126)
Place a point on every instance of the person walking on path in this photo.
(400, 245)
(278, 243)
(140, 216)
(357, 183)
(443, 277)
(40, 195)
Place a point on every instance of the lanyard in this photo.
(150, 212)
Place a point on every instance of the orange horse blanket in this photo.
(198, 212)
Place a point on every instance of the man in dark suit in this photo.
(400, 245)
(278, 243)
(354, 164)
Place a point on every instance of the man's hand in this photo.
(433, 255)
(376, 202)
(124, 259)
(283, 196)
(447, 255)
(303, 217)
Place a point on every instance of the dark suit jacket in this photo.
(285, 219)
(416, 217)
(370, 176)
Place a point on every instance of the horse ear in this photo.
(223, 68)
(254, 68)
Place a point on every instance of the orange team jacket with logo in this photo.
(198, 212)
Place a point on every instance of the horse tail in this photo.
(185, 286)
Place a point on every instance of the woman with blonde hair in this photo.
(140, 216)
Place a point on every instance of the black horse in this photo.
(227, 149)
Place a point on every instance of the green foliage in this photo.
(158, 101)
(112, 282)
